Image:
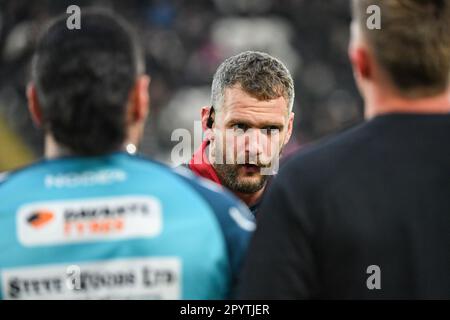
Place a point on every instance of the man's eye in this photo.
(240, 126)
(271, 129)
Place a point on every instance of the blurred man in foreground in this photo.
(93, 221)
(366, 214)
(247, 125)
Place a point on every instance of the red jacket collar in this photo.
(200, 165)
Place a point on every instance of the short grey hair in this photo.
(259, 74)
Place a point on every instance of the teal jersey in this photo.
(118, 227)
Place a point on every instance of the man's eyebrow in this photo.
(250, 124)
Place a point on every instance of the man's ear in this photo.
(140, 100)
(360, 59)
(290, 128)
(33, 105)
(206, 113)
(358, 53)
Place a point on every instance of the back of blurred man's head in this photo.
(85, 80)
(412, 47)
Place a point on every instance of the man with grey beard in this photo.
(247, 125)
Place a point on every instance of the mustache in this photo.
(260, 161)
(258, 164)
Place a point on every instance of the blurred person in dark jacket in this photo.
(365, 214)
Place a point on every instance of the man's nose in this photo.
(255, 142)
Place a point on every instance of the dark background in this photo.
(184, 43)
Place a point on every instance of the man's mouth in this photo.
(251, 168)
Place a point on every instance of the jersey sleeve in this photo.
(236, 221)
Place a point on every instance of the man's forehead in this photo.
(236, 100)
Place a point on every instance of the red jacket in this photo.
(200, 165)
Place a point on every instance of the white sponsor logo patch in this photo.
(74, 221)
(142, 278)
(85, 179)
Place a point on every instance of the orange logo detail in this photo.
(38, 219)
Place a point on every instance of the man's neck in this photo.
(379, 104)
(53, 150)
(250, 199)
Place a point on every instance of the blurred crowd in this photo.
(184, 42)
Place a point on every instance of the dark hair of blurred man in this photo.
(89, 90)
(97, 221)
(252, 97)
(366, 214)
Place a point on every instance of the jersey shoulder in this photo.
(234, 217)
(3, 177)
(9, 176)
(217, 197)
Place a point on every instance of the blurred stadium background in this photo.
(184, 43)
